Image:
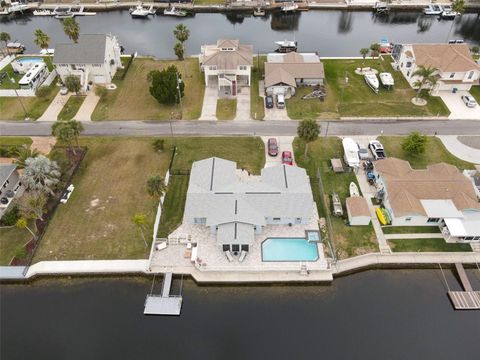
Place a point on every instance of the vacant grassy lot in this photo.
(132, 99)
(434, 153)
(348, 240)
(109, 190)
(355, 98)
(71, 107)
(11, 243)
(226, 109)
(257, 103)
(410, 229)
(426, 245)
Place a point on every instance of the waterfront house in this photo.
(285, 72)
(456, 67)
(94, 59)
(357, 210)
(438, 195)
(227, 65)
(10, 186)
(236, 206)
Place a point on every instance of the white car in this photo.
(363, 152)
(469, 100)
(377, 149)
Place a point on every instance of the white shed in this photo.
(357, 210)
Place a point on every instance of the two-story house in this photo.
(10, 186)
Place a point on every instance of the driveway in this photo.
(460, 150)
(55, 107)
(243, 105)
(285, 143)
(85, 111)
(458, 110)
(209, 108)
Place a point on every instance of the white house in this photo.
(227, 65)
(10, 186)
(95, 58)
(456, 67)
(285, 72)
(357, 211)
(438, 195)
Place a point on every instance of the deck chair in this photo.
(243, 254)
(229, 256)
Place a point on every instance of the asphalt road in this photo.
(223, 128)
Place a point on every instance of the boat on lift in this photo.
(43, 12)
(290, 7)
(15, 48)
(433, 9)
(381, 7)
(385, 46)
(17, 7)
(286, 46)
(371, 80)
(173, 11)
(63, 13)
(140, 12)
(448, 13)
(258, 11)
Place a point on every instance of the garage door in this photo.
(99, 79)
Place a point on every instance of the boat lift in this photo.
(468, 299)
(164, 304)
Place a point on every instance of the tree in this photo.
(475, 50)
(40, 174)
(158, 145)
(458, 6)
(181, 33)
(73, 84)
(427, 77)
(364, 53)
(163, 85)
(22, 223)
(415, 143)
(32, 205)
(375, 48)
(71, 29)
(156, 186)
(5, 38)
(41, 39)
(179, 51)
(308, 130)
(67, 132)
(139, 220)
(23, 153)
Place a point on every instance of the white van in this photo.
(280, 101)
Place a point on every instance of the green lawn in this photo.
(209, 2)
(426, 245)
(434, 153)
(475, 91)
(226, 109)
(7, 83)
(71, 107)
(410, 229)
(132, 99)
(15, 140)
(11, 243)
(257, 103)
(355, 98)
(174, 205)
(348, 240)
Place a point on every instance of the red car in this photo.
(272, 147)
(287, 158)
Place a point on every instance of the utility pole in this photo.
(21, 103)
(179, 81)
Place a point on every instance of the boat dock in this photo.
(467, 299)
(163, 304)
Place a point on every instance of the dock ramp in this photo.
(464, 300)
(164, 304)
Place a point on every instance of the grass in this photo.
(6, 83)
(132, 99)
(174, 205)
(355, 98)
(209, 2)
(226, 109)
(71, 107)
(427, 245)
(11, 243)
(475, 91)
(435, 152)
(257, 103)
(410, 229)
(348, 240)
(11, 107)
(15, 140)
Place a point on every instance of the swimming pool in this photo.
(29, 60)
(289, 249)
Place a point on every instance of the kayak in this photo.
(380, 216)
(386, 216)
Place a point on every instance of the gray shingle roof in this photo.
(235, 233)
(90, 49)
(5, 171)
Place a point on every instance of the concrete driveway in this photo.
(209, 107)
(243, 105)
(276, 114)
(458, 109)
(55, 107)
(285, 143)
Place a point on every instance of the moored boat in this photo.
(258, 11)
(385, 46)
(173, 11)
(448, 13)
(15, 48)
(42, 12)
(371, 80)
(433, 9)
(286, 46)
(63, 13)
(290, 7)
(139, 12)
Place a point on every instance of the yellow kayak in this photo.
(380, 216)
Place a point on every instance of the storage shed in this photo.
(337, 165)
(357, 210)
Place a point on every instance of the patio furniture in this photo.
(161, 246)
(229, 256)
(194, 254)
(243, 254)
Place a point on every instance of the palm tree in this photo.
(41, 39)
(5, 38)
(156, 186)
(22, 223)
(375, 47)
(71, 29)
(308, 130)
(364, 53)
(427, 77)
(23, 153)
(139, 220)
(182, 34)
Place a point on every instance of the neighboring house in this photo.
(227, 65)
(236, 209)
(357, 210)
(10, 186)
(95, 58)
(285, 72)
(438, 195)
(456, 67)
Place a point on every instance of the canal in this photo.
(331, 33)
(402, 314)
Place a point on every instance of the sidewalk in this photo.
(460, 150)
(414, 236)
(85, 111)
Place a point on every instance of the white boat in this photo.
(15, 48)
(354, 190)
(258, 11)
(386, 79)
(286, 46)
(448, 13)
(43, 12)
(350, 149)
(433, 9)
(139, 12)
(291, 7)
(173, 11)
(381, 7)
(17, 7)
(63, 13)
(371, 80)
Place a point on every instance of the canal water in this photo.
(402, 314)
(331, 33)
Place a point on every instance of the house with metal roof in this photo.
(438, 195)
(94, 58)
(236, 209)
(10, 187)
(227, 65)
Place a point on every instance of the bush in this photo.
(10, 218)
(43, 92)
(415, 143)
(8, 151)
(62, 160)
(158, 145)
(164, 85)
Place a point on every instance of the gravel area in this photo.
(472, 141)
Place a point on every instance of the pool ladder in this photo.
(303, 269)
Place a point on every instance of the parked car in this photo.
(280, 101)
(469, 101)
(377, 149)
(63, 91)
(363, 152)
(272, 147)
(269, 101)
(287, 158)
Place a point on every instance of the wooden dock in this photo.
(467, 299)
(164, 304)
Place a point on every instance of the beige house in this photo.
(456, 67)
(285, 72)
(227, 65)
(357, 210)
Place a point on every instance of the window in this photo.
(276, 219)
(470, 75)
(212, 67)
(244, 247)
(200, 220)
(401, 65)
(408, 73)
(226, 247)
(408, 219)
(433, 220)
(452, 75)
(236, 248)
(409, 64)
(243, 67)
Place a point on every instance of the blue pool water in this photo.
(289, 249)
(29, 59)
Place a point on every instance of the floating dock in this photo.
(467, 299)
(164, 304)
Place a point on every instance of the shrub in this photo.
(10, 218)
(62, 160)
(158, 145)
